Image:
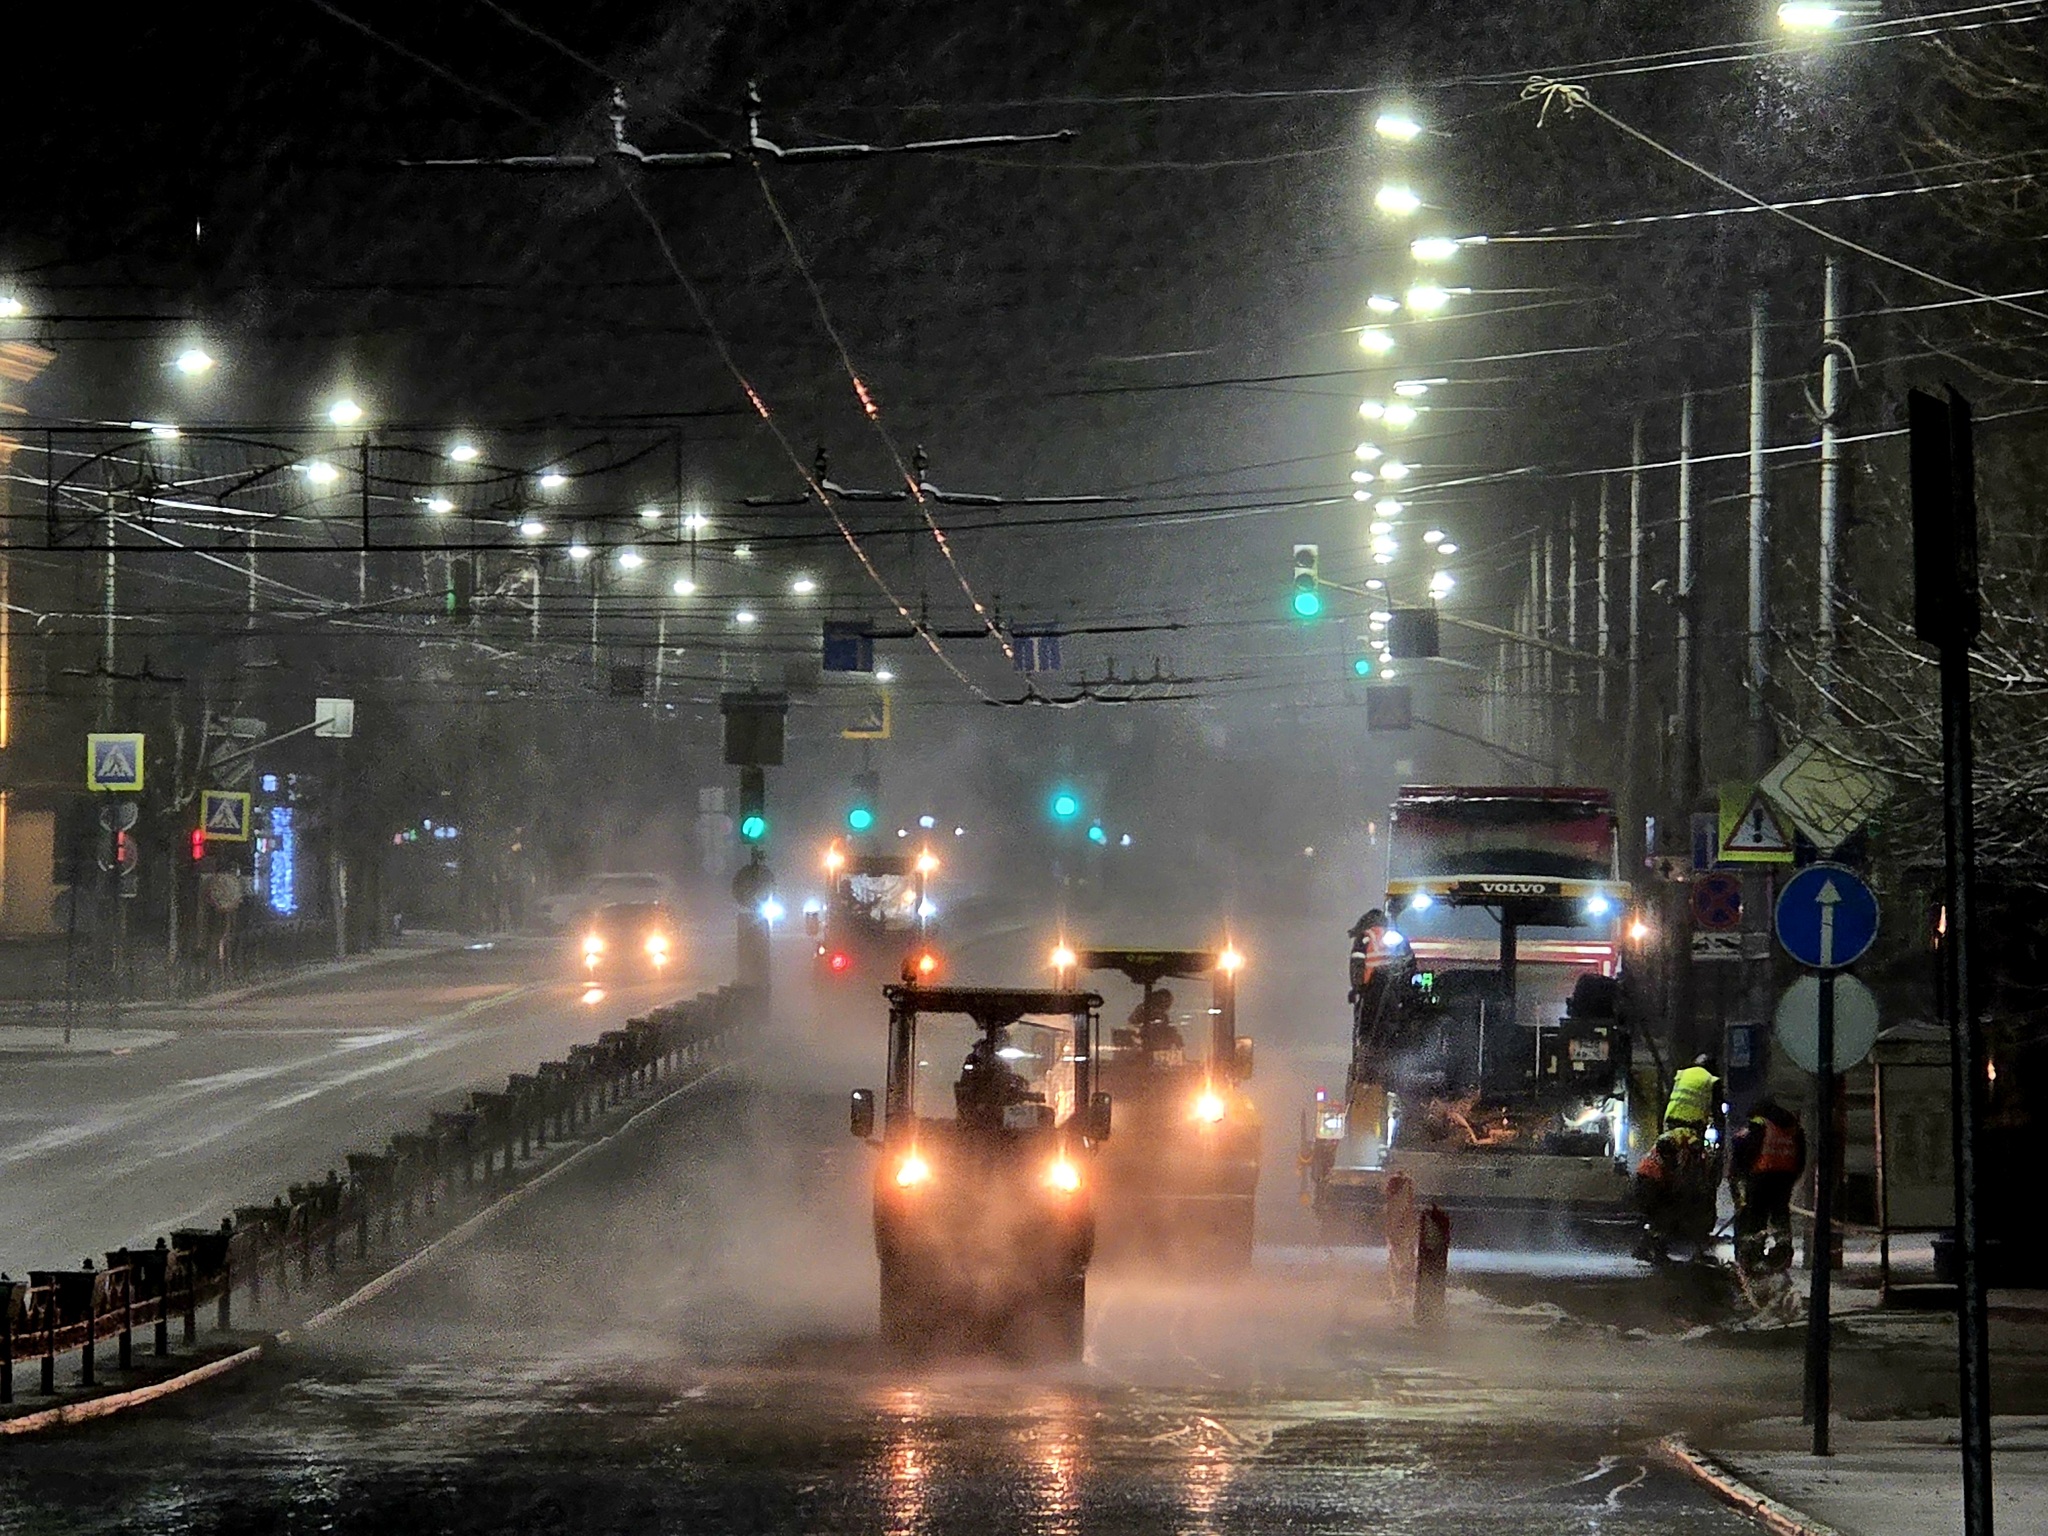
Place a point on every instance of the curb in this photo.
(1768, 1512)
(118, 1402)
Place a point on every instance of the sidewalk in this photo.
(1888, 1477)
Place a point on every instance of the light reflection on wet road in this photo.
(680, 1340)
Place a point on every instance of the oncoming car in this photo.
(629, 939)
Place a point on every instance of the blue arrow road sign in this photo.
(1827, 917)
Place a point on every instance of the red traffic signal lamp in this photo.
(198, 844)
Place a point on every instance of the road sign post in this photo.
(1947, 616)
(1826, 919)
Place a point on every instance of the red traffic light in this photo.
(840, 962)
(198, 844)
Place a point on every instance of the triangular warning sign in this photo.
(115, 761)
(1756, 830)
(226, 816)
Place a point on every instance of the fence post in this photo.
(225, 1314)
(49, 1340)
(162, 1342)
(86, 1375)
(127, 1355)
(331, 1210)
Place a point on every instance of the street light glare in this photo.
(1434, 536)
(1397, 200)
(630, 560)
(1380, 304)
(1428, 298)
(1368, 451)
(803, 586)
(463, 453)
(1411, 389)
(1391, 507)
(1376, 341)
(11, 308)
(1393, 469)
(1371, 410)
(553, 480)
(579, 551)
(744, 617)
(1433, 248)
(192, 362)
(696, 522)
(1808, 16)
(683, 586)
(1399, 415)
(1447, 549)
(1398, 126)
(533, 528)
(440, 504)
(1361, 494)
(884, 675)
(320, 472)
(650, 514)
(344, 412)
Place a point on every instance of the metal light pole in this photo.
(1761, 745)
(1686, 771)
(1830, 474)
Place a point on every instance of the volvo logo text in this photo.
(1516, 888)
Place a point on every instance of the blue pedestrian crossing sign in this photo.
(1827, 917)
(113, 760)
(224, 814)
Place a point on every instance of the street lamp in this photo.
(744, 617)
(440, 504)
(463, 453)
(1397, 200)
(11, 308)
(1434, 248)
(344, 412)
(803, 586)
(579, 551)
(630, 560)
(1398, 126)
(1808, 16)
(192, 362)
(1380, 304)
(682, 586)
(1375, 340)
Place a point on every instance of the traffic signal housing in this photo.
(860, 811)
(1308, 597)
(753, 805)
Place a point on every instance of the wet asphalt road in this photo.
(679, 1338)
(232, 1101)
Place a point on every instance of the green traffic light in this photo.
(1308, 603)
(754, 827)
(1066, 805)
(1362, 666)
(859, 819)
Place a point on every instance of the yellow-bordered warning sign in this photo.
(113, 760)
(224, 814)
(1751, 831)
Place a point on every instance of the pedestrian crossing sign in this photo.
(224, 814)
(1751, 832)
(113, 761)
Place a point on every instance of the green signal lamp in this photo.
(1097, 836)
(1308, 603)
(859, 819)
(1362, 666)
(754, 827)
(1066, 805)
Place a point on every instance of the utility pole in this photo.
(1686, 769)
(1632, 740)
(1830, 473)
(1761, 745)
(1602, 608)
(1532, 669)
(1573, 724)
(1547, 629)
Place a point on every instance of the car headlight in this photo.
(1063, 1176)
(913, 1171)
(657, 946)
(1209, 1107)
(593, 945)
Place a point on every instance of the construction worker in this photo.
(1368, 949)
(1765, 1158)
(1695, 1102)
(1674, 1188)
(988, 1085)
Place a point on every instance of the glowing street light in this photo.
(1428, 298)
(631, 560)
(440, 504)
(320, 472)
(1379, 528)
(1380, 304)
(650, 514)
(884, 675)
(1398, 126)
(1367, 452)
(1399, 415)
(803, 586)
(553, 480)
(696, 522)
(1447, 548)
(1393, 469)
(1434, 536)
(533, 528)
(1808, 16)
(463, 453)
(1411, 389)
(191, 362)
(1361, 494)
(1390, 507)
(1361, 477)
(682, 586)
(1372, 410)
(344, 412)
(1376, 341)
(11, 308)
(579, 551)
(1434, 248)
(744, 617)
(1397, 200)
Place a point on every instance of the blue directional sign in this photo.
(1827, 916)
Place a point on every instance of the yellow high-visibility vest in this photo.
(1693, 1095)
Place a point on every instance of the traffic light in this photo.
(1308, 597)
(461, 591)
(753, 805)
(1066, 805)
(1096, 835)
(860, 814)
(1363, 666)
(198, 844)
